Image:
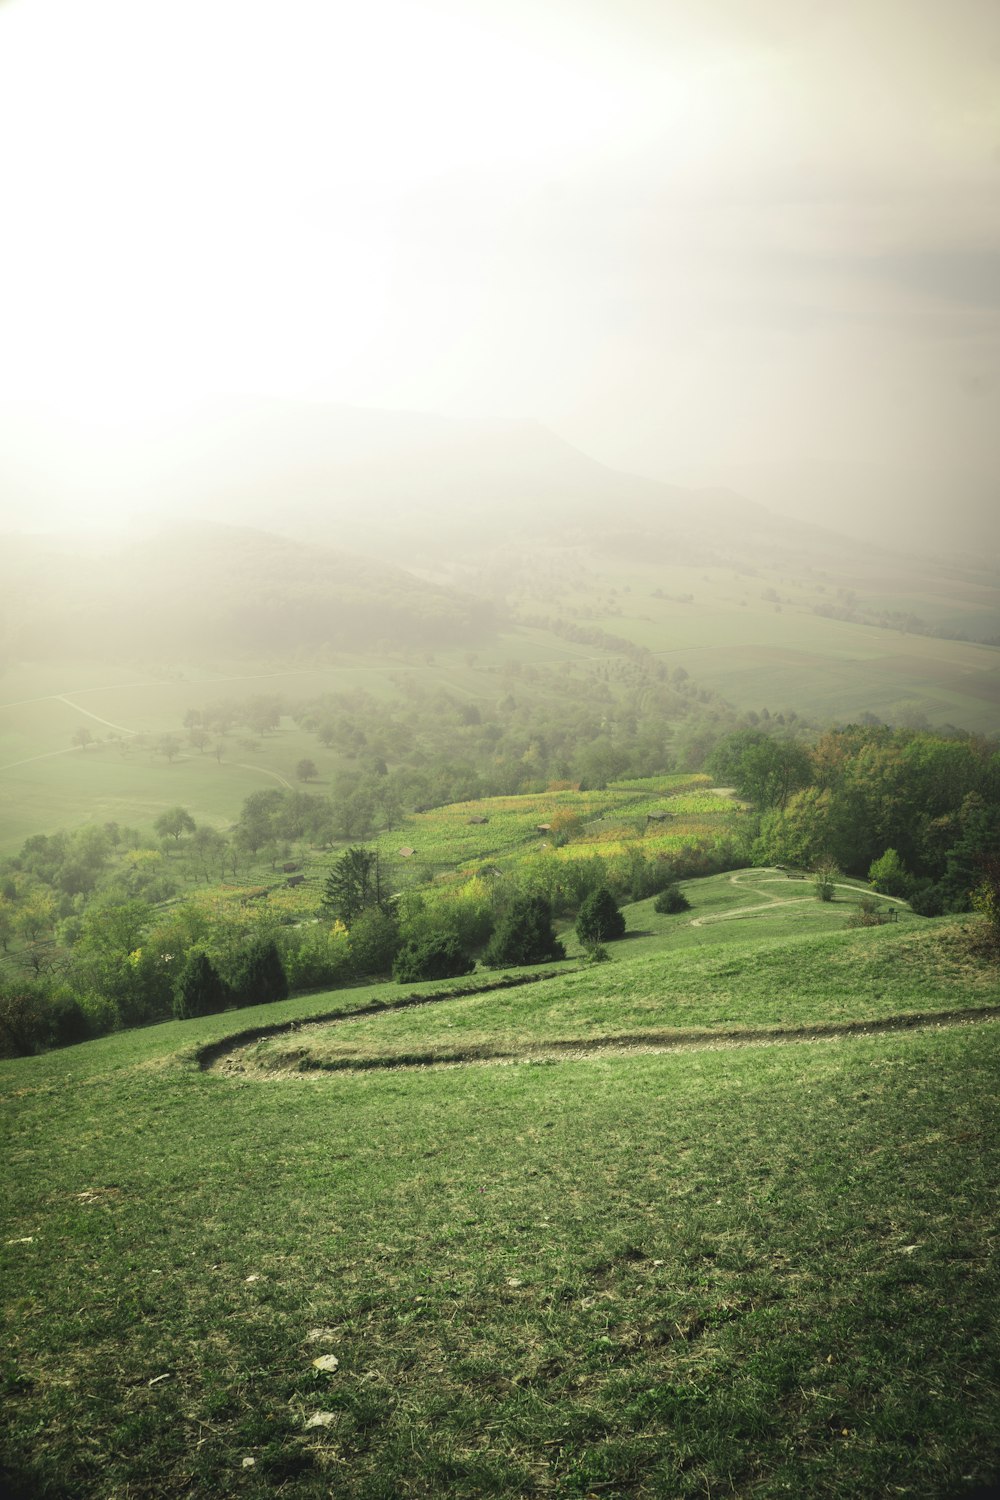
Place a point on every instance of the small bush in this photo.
(431, 957)
(597, 954)
(670, 901)
(824, 880)
(868, 914)
(599, 919)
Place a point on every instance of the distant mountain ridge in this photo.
(405, 485)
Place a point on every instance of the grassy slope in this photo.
(765, 1271)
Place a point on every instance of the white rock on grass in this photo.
(321, 1419)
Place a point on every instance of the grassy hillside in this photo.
(595, 1268)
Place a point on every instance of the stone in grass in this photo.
(321, 1419)
(326, 1362)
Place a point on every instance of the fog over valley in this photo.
(500, 749)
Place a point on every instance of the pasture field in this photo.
(46, 783)
(599, 1269)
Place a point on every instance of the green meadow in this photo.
(752, 635)
(670, 1225)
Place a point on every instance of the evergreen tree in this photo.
(356, 881)
(599, 919)
(258, 977)
(199, 990)
(524, 935)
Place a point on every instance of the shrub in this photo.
(200, 990)
(671, 900)
(597, 954)
(868, 914)
(33, 1019)
(524, 935)
(431, 956)
(927, 900)
(257, 975)
(824, 878)
(599, 919)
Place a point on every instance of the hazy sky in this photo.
(685, 235)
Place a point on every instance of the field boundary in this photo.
(211, 1053)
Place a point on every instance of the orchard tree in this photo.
(174, 822)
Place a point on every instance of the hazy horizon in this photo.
(752, 245)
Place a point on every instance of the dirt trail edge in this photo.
(212, 1053)
(232, 1055)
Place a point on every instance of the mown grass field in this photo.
(727, 1270)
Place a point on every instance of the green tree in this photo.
(374, 942)
(306, 770)
(199, 989)
(764, 770)
(35, 915)
(524, 935)
(174, 822)
(257, 976)
(257, 824)
(599, 919)
(114, 927)
(355, 883)
(888, 875)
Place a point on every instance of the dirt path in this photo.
(755, 882)
(62, 698)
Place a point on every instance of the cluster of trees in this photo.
(915, 812)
